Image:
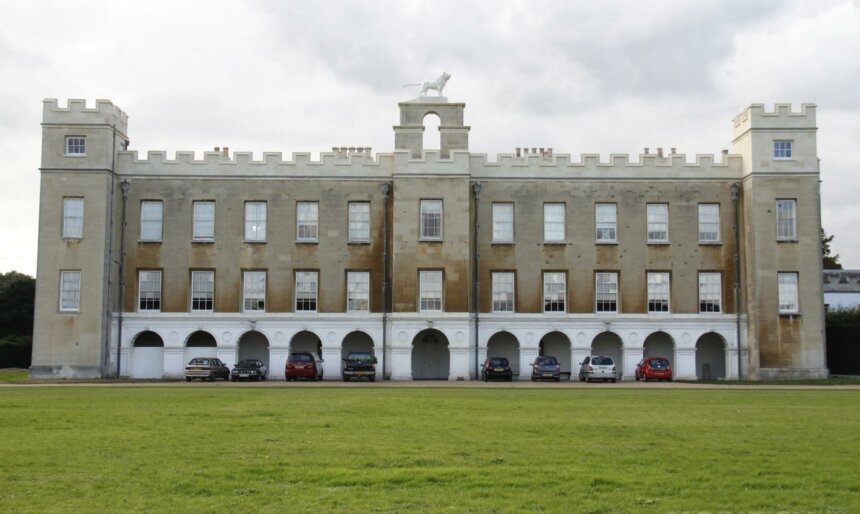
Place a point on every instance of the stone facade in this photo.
(82, 332)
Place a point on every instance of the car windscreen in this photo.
(360, 357)
(659, 363)
(602, 361)
(499, 362)
(301, 357)
(547, 361)
(247, 364)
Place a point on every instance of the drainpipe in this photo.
(736, 187)
(108, 307)
(476, 187)
(385, 189)
(124, 185)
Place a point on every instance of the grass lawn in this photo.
(13, 376)
(359, 449)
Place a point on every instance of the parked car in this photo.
(546, 367)
(497, 367)
(359, 364)
(206, 368)
(654, 368)
(252, 369)
(599, 367)
(304, 365)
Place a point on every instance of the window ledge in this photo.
(74, 155)
(710, 243)
(786, 240)
(783, 158)
(203, 241)
(70, 238)
(606, 243)
(307, 241)
(789, 314)
(76, 311)
(260, 242)
(503, 243)
(359, 242)
(555, 243)
(149, 241)
(431, 240)
(658, 243)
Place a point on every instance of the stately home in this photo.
(432, 259)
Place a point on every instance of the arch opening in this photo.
(306, 341)
(711, 357)
(356, 341)
(660, 344)
(200, 344)
(431, 358)
(432, 136)
(254, 345)
(556, 344)
(147, 356)
(505, 344)
(610, 344)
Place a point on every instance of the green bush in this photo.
(842, 316)
(16, 351)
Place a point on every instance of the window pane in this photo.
(358, 291)
(255, 221)
(605, 217)
(431, 219)
(307, 220)
(782, 149)
(70, 290)
(254, 294)
(150, 221)
(204, 220)
(202, 290)
(606, 292)
(553, 292)
(76, 145)
(430, 290)
(710, 292)
(503, 292)
(658, 292)
(73, 217)
(788, 292)
(149, 290)
(359, 221)
(709, 222)
(503, 222)
(786, 220)
(553, 222)
(306, 291)
(658, 222)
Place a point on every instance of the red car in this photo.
(654, 368)
(304, 365)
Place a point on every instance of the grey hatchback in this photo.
(597, 367)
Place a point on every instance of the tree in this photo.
(17, 295)
(828, 261)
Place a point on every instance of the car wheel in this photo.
(188, 379)
(587, 380)
(581, 378)
(345, 378)
(510, 378)
(557, 379)
(234, 379)
(612, 380)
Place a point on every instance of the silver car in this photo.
(598, 367)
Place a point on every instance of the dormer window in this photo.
(782, 149)
(76, 145)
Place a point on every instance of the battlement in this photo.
(362, 165)
(782, 117)
(76, 112)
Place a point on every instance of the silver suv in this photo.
(597, 367)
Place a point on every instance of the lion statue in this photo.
(437, 85)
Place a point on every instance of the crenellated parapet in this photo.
(782, 117)
(76, 112)
(386, 165)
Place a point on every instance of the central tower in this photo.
(409, 135)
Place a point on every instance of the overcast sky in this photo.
(580, 77)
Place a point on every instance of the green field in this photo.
(389, 449)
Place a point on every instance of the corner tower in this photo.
(76, 235)
(781, 241)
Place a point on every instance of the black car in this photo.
(252, 369)
(497, 367)
(546, 368)
(359, 364)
